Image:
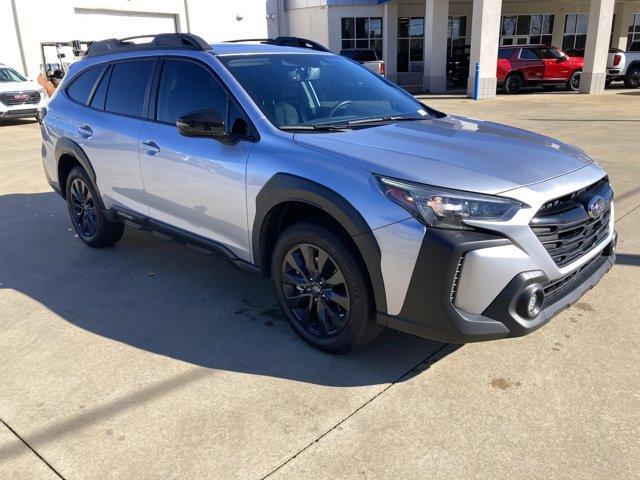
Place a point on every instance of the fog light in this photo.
(530, 302)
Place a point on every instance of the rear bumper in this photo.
(429, 311)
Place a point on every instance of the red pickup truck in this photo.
(528, 65)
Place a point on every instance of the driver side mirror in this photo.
(563, 58)
(202, 123)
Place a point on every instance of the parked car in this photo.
(458, 66)
(367, 57)
(367, 208)
(524, 66)
(625, 66)
(19, 97)
(537, 65)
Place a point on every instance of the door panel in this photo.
(197, 184)
(531, 66)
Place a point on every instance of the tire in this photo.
(307, 295)
(85, 210)
(548, 88)
(573, 84)
(632, 78)
(513, 84)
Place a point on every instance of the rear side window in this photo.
(100, 94)
(530, 54)
(82, 86)
(128, 86)
(505, 52)
(186, 87)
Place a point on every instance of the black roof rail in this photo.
(181, 41)
(286, 42)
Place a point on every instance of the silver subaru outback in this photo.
(367, 208)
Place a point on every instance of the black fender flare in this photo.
(284, 187)
(65, 146)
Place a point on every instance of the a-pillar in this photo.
(485, 32)
(436, 19)
(594, 71)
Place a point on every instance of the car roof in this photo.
(244, 48)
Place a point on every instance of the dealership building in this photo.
(413, 37)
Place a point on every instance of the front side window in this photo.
(128, 86)
(10, 75)
(308, 89)
(82, 86)
(186, 87)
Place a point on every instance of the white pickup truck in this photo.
(625, 66)
(367, 57)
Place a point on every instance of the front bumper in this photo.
(20, 113)
(429, 310)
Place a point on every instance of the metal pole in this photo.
(476, 82)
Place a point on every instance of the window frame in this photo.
(408, 38)
(515, 37)
(633, 30)
(370, 40)
(451, 38)
(252, 133)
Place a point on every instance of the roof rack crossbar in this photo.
(183, 41)
(285, 42)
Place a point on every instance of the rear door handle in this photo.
(85, 131)
(151, 147)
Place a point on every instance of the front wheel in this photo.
(573, 84)
(632, 78)
(86, 213)
(323, 289)
(513, 83)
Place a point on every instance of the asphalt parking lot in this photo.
(149, 360)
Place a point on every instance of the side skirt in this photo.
(171, 233)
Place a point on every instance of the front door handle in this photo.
(85, 131)
(151, 147)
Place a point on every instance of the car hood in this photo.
(453, 152)
(18, 86)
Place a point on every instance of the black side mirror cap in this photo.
(202, 123)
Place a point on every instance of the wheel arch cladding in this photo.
(68, 153)
(285, 188)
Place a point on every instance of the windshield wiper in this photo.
(318, 128)
(364, 121)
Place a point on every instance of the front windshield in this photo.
(312, 90)
(10, 75)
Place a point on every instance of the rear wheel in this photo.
(573, 84)
(513, 83)
(323, 289)
(86, 212)
(632, 78)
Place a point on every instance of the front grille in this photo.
(20, 98)
(557, 288)
(566, 230)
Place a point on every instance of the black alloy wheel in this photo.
(574, 81)
(513, 84)
(83, 207)
(315, 290)
(632, 80)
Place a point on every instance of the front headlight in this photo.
(444, 208)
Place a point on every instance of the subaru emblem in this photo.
(596, 206)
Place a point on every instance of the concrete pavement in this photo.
(148, 360)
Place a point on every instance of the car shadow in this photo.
(9, 122)
(161, 297)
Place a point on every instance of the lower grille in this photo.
(566, 229)
(20, 98)
(557, 288)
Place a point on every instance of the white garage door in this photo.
(99, 24)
